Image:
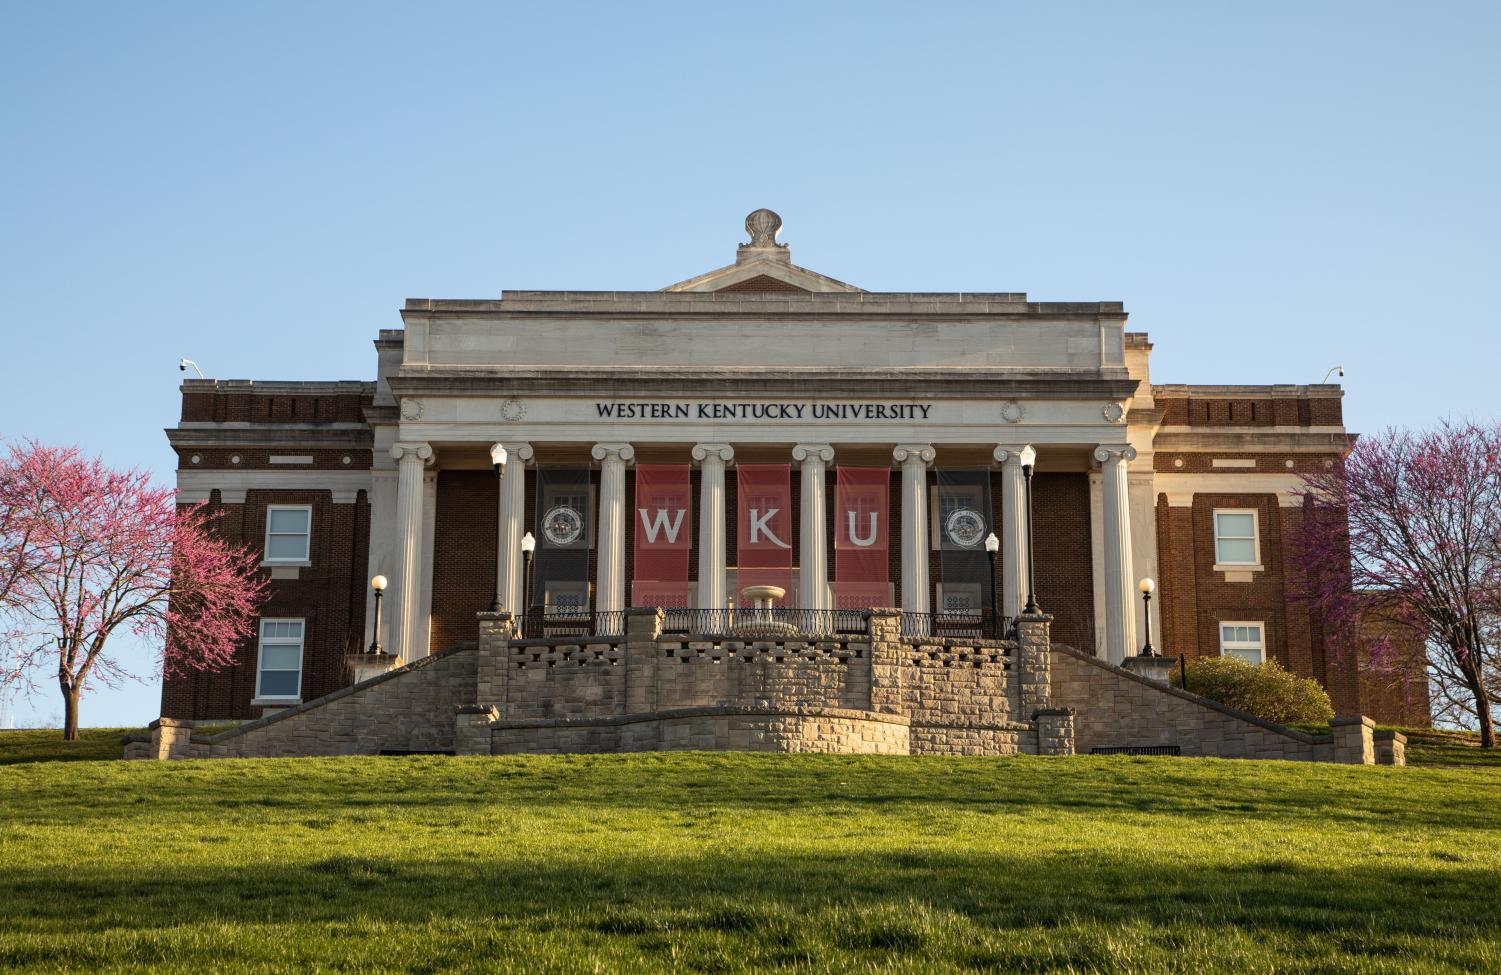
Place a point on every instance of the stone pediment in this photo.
(763, 265)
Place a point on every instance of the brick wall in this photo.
(329, 596)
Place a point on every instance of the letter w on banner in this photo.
(862, 565)
(764, 527)
(664, 535)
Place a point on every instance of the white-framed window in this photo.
(1245, 639)
(289, 532)
(278, 671)
(1236, 537)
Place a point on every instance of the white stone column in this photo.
(813, 564)
(609, 594)
(406, 610)
(914, 459)
(510, 530)
(1013, 529)
(711, 458)
(1120, 585)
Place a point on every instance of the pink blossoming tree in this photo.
(1407, 534)
(90, 553)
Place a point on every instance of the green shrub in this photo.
(1265, 690)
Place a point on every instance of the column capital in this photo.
(514, 450)
(914, 453)
(1107, 452)
(606, 452)
(403, 449)
(812, 451)
(723, 451)
(1016, 453)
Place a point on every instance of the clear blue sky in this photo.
(1271, 190)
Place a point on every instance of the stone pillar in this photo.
(642, 627)
(1013, 529)
(1391, 747)
(885, 661)
(1055, 731)
(1120, 586)
(472, 734)
(1032, 670)
(914, 459)
(512, 511)
(609, 596)
(711, 458)
(813, 566)
(492, 671)
(1354, 743)
(406, 608)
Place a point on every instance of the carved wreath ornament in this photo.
(411, 409)
(512, 410)
(1113, 413)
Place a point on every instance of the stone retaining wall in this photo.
(880, 693)
(1116, 708)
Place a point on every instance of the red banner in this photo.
(664, 535)
(764, 528)
(862, 565)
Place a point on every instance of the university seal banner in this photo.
(664, 534)
(862, 566)
(763, 518)
(963, 522)
(560, 567)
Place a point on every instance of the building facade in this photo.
(759, 434)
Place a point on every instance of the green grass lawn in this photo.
(747, 863)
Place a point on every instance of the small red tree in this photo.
(1407, 533)
(105, 551)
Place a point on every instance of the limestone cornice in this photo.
(1286, 440)
(290, 435)
(730, 304)
(863, 383)
(1276, 391)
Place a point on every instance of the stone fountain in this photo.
(759, 622)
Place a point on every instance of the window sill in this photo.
(275, 702)
(1236, 567)
(286, 564)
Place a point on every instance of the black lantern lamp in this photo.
(1146, 586)
(379, 585)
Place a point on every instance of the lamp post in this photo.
(528, 546)
(1146, 586)
(379, 585)
(1029, 462)
(992, 546)
(498, 460)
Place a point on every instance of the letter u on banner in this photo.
(862, 538)
(764, 526)
(663, 528)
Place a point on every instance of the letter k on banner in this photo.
(764, 527)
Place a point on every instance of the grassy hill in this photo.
(747, 863)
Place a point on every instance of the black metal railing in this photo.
(981, 626)
(766, 623)
(544, 623)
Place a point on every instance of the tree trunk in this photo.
(70, 714)
(1482, 708)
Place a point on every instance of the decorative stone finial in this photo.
(763, 225)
